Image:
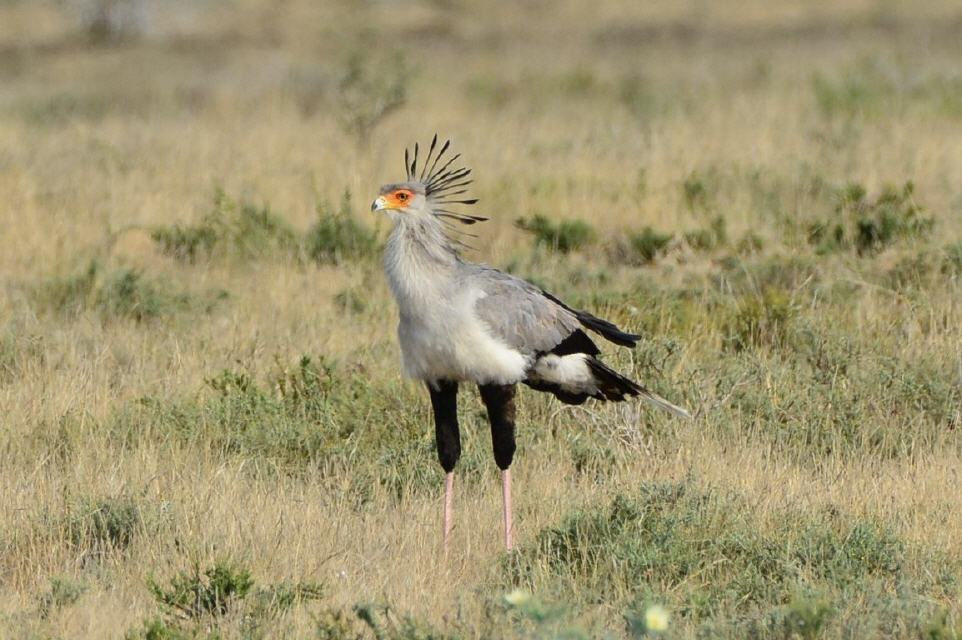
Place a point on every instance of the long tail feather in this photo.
(614, 386)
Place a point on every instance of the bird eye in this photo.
(402, 196)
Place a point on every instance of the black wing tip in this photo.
(612, 386)
(604, 328)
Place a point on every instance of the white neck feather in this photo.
(419, 261)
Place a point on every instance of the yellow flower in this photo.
(517, 598)
(656, 618)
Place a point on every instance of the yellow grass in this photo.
(213, 96)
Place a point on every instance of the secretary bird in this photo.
(465, 322)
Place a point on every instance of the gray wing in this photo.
(519, 313)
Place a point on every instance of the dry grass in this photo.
(827, 380)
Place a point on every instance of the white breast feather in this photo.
(440, 334)
(451, 343)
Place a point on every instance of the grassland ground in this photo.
(204, 427)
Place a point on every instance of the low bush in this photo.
(118, 293)
(564, 236)
(639, 247)
(700, 552)
(870, 224)
(336, 236)
(234, 228)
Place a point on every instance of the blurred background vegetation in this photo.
(204, 428)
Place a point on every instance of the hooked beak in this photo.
(379, 205)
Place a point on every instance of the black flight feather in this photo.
(607, 330)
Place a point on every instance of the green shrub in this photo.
(913, 272)
(337, 624)
(385, 625)
(639, 248)
(118, 293)
(99, 525)
(700, 553)
(805, 617)
(760, 320)
(750, 243)
(187, 242)
(351, 301)
(859, 91)
(310, 416)
(699, 189)
(240, 229)
(337, 237)
(128, 293)
(941, 627)
(63, 592)
(778, 272)
(196, 600)
(211, 592)
(709, 238)
(868, 225)
(157, 629)
(112, 21)
(564, 236)
(952, 260)
(642, 100)
(873, 87)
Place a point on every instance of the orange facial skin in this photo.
(398, 199)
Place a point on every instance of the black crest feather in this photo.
(442, 179)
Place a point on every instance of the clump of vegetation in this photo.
(699, 189)
(873, 87)
(312, 415)
(861, 90)
(188, 242)
(63, 592)
(538, 618)
(338, 237)
(761, 320)
(913, 272)
(805, 617)
(371, 88)
(749, 243)
(640, 247)
(211, 592)
(651, 544)
(232, 227)
(198, 598)
(112, 21)
(492, 91)
(713, 236)
(564, 236)
(382, 622)
(642, 99)
(351, 301)
(868, 224)
(120, 293)
(785, 273)
(101, 525)
(952, 260)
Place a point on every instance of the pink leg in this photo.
(448, 506)
(506, 497)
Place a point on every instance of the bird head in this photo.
(402, 198)
(430, 192)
